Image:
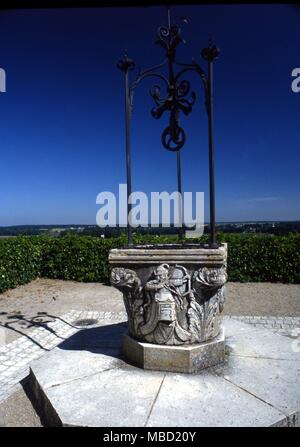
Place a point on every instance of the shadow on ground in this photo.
(101, 339)
(21, 324)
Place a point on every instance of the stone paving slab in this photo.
(256, 389)
(16, 356)
(258, 342)
(80, 361)
(275, 382)
(121, 395)
(264, 364)
(207, 400)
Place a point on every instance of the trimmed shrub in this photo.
(261, 258)
(256, 258)
(20, 259)
(78, 258)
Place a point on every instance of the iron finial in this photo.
(126, 63)
(169, 16)
(211, 52)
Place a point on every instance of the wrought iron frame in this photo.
(175, 101)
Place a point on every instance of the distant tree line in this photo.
(275, 228)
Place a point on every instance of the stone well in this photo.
(174, 296)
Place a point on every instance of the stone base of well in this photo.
(183, 359)
(85, 382)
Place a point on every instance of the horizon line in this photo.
(141, 226)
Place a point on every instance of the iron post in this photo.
(210, 54)
(125, 65)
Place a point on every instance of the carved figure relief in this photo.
(174, 306)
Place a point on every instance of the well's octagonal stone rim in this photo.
(150, 254)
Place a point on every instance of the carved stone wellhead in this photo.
(173, 294)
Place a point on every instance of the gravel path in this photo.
(17, 411)
(263, 299)
(43, 300)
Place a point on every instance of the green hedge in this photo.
(20, 261)
(254, 258)
(263, 258)
(78, 258)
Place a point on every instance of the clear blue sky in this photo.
(62, 123)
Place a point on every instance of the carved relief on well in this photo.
(174, 306)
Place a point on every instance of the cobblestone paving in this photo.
(281, 325)
(15, 357)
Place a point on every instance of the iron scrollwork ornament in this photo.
(176, 101)
(173, 137)
(178, 97)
